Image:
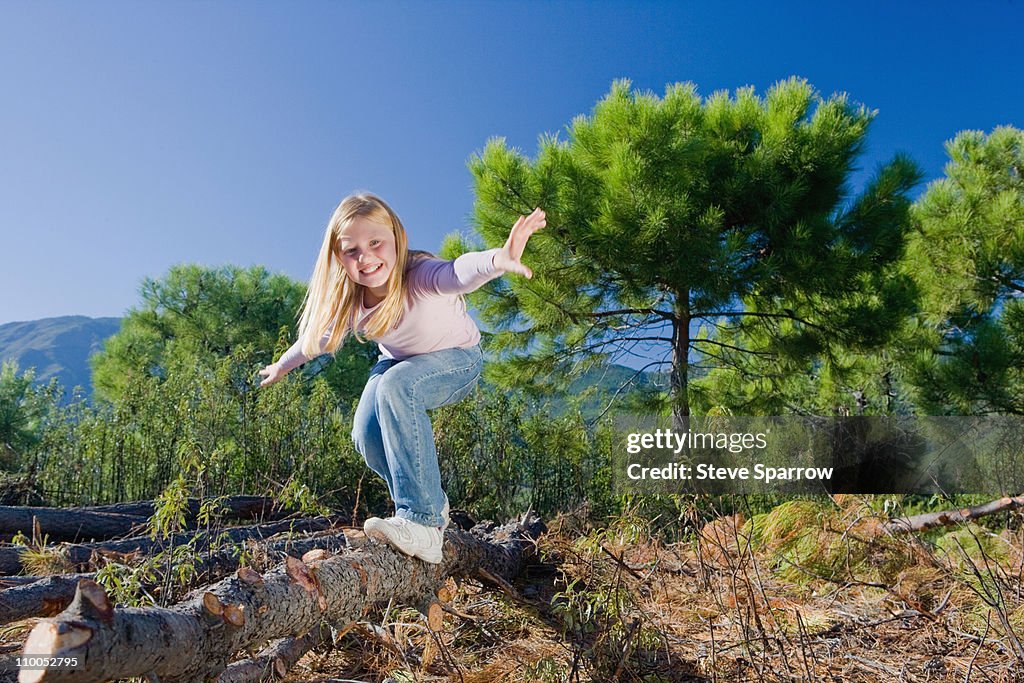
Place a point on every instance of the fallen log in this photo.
(65, 524)
(931, 520)
(247, 610)
(44, 596)
(103, 522)
(276, 659)
(80, 555)
(26, 579)
(230, 507)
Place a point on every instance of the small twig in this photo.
(876, 666)
(714, 658)
(625, 649)
(981, 643)
(802, 631)
(505, 586)
(622, 563)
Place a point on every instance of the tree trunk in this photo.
(49, 595)
(45, 597)
(245, 611)
(109, 521)
(80, 555)
(274, 660)
(65, 524)
(231, 507)
(679, 392)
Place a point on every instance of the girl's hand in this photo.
(507, 260)
(271, 374)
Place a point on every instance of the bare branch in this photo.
(931, 520)
(759, 314)
(667, 315)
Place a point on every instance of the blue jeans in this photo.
(391, 428)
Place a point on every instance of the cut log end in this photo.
(31, 675)
(213, 604)
(93, 600)
(234, 615)
(435, 617)
(298, 572)
(249, 576)
(315, 555)
(51, 638)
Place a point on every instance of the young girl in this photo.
(368, 283)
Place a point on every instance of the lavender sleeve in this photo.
(293, 357)
(465, 274)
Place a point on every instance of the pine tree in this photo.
(209, 314)
(968, 255)
(689, 227)
(24, 409)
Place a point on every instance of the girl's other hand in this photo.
(271, 374)
(507, 259)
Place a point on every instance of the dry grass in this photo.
(736, 604)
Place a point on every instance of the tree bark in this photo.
(248, 610)
(679, 382)
(65, 524)
(80, 555)
(109, 521)
(49, 595)
(930, 520)
(276, 659)
(233, 507)
(42, 598)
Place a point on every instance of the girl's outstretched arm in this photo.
(507, 260)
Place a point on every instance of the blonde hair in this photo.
(332, 300)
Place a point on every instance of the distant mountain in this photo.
(609, 386)
(57, 347)
(615, 378)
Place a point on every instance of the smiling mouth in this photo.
(372, 269)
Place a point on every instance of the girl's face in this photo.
(368, 254)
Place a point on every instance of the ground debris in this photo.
(608, 606)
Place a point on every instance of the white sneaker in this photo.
(411, 538)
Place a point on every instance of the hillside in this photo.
(57, 347)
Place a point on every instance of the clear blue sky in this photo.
(138, 135)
